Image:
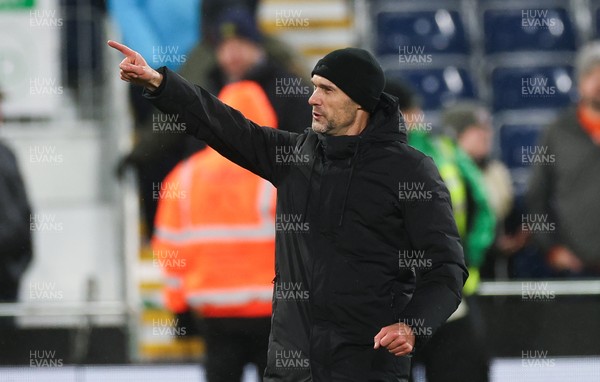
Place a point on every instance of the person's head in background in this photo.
(237, 42)
(587, 67)
(409, 102)
(471, 124)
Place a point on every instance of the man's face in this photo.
(589, 88)
(476, 141)
(333, 112)
(236, 56)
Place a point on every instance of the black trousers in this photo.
(335, 361)
(457, 352)
(231, 343)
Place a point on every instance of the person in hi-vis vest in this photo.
(216, 222)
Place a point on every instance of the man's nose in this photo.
(314, 99)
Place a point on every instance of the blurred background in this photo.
(481, 82)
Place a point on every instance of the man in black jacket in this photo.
(368, 261)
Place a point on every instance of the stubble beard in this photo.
(321, 128)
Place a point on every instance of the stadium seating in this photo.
(528, 30)
(438, 86)
(434, 31)
(513, 139)
(533, 87)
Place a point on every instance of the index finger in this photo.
(121, 48)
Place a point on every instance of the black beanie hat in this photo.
(356, 72)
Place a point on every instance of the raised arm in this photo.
(204, 116)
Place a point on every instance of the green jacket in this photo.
(461, 175)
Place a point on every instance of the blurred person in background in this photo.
(16, 247)
(470, 123)
(232, 50)
(565, 191)
(220, 222)
(472, 211)
(82, 36)
(457, 351)
(165, 32)
(202, 60)
(162, 31)
(241, 54)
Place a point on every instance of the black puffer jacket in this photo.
(365, 236)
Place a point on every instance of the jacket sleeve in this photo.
(431, 229)
(539, 196)
(223, 128)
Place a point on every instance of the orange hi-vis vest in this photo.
(215, 226)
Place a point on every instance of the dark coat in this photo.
(15, 233)
(365, 235)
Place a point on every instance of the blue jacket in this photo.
(163, 32)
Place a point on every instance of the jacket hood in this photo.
(386, 123)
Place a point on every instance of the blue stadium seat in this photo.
(514, 139)
(597, 15)
(544, 87)
(514, 30)
(438, 31)
(437, 86)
